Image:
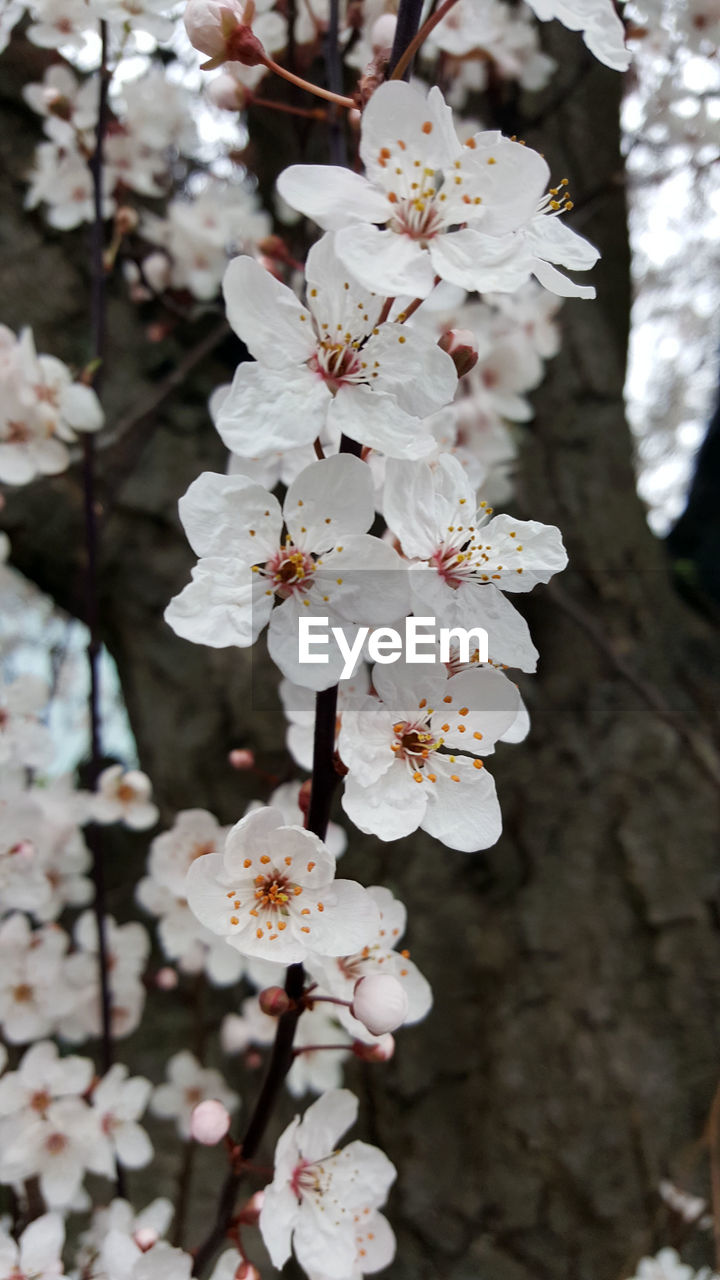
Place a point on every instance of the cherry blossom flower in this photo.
(57, 1147)
(194, 833)
(38, 1253)
(411, 755)
(119, 1237)
(448, 210)
(338, 976)
(41, 1078)
(128, 948)
(35, 996)
(318, 1193)
(602, 29)
(123, 795)
(41, 411)
(119, 1103)
(328, 363)
(327, 564)
(285, 798)
(465, 562)
(188, 1084)
(375, 1246)
(272, 893)
(200, 231)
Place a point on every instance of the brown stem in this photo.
(311, 88)
(713, 1134)
(311, 113)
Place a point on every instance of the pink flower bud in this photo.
(166, 979)
(221, 29)
(274, 1001)
(383, 32)
(209, 1122)
(461, 346)
(242, 759)
(145, 1238)
(381, 1051)
(379, 1002)
(227, 93)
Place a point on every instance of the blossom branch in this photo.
(98, 314)
(403, 63)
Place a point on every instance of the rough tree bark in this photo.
(571, 1057)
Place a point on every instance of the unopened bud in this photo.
(274, 1001)
(461, 345)
(145, 1238)
(227, 93)
(221, 28)
(250, 1211)
(381, 1051)
(242, 758)
(209, 1122)
(383, 32)
(166, 979)
(380, 1002)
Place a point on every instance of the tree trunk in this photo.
(571, 1057)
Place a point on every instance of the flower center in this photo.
(271, 892)
(337, 363)
(290, 570)
(417, 217)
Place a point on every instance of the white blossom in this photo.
(272, 893)
(327, 564)
(327, 363)
(188, 1084)
(318, 1192)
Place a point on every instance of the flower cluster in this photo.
(42, 409)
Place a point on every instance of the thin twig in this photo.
(97, 313)
(403, 63)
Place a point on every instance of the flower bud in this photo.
(209, 1122)
(379, 1002)
(242, 758)
(383, 32)
(461, 345)
(166, 979)
(274, 1001)
(381, 1051)
(227, 93)
(145, 1238)
(221, 28)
